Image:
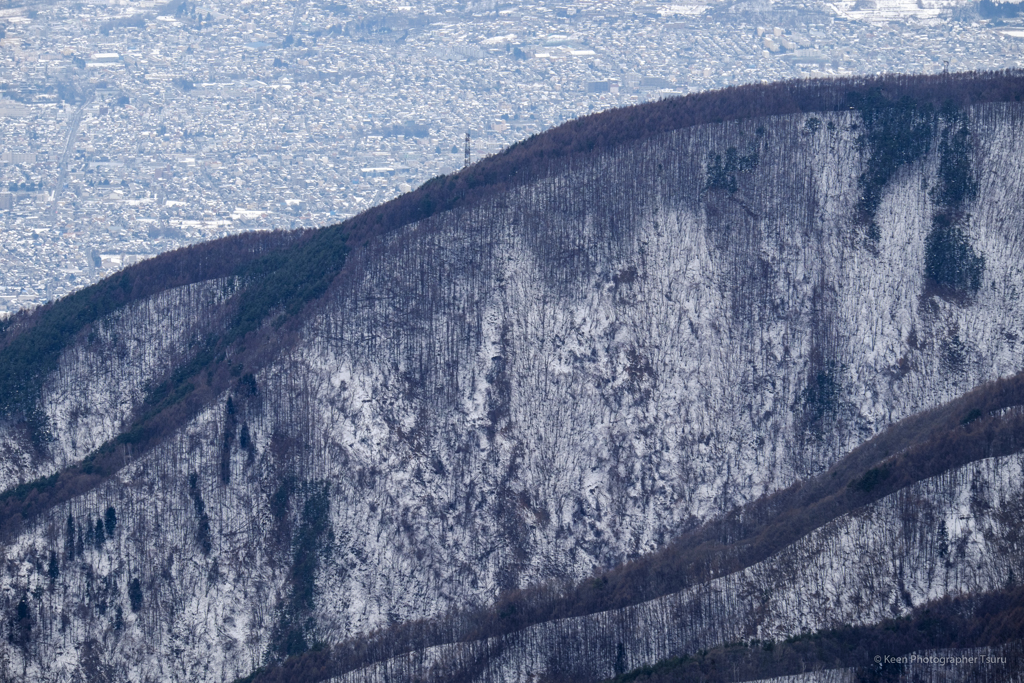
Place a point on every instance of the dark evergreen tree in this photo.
(110, 520)
(53, 570)
(99, 536)
(203, 532)
(69, 539)
(135, 594)
(90, 534)
(230, 424)
(20, 632)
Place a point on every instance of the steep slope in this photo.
(951, 535)
(74, 372)
(556, 367)
(581, 632)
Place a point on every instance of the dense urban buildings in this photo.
(129, 127)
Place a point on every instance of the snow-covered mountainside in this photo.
(547, 381)
(949, 535)
(90, 397)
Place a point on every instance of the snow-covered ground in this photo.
(861, 568)
(529, 389)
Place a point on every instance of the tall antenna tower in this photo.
(467, 150)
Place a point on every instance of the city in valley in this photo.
(128, 128)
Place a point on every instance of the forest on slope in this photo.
(288, 277)
(345, 450)
(989, 625)
(986, 422)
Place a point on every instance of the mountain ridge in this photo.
(599, 131)
(349, 430)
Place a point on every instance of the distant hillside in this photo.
(739, 366)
